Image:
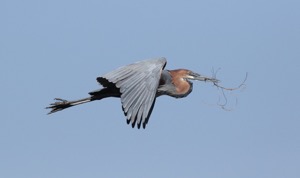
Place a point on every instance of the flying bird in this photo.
(138, 85)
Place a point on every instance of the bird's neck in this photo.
(173, 85)
(183, 87)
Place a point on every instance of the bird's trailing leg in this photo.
(61, 104)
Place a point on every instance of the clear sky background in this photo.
(57, 48)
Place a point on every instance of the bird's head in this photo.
(190, 75)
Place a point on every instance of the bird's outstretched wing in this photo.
(138, 83)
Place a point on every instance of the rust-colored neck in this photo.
(183, 86)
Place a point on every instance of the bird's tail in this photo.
(61, 104)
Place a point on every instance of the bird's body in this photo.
(138, 85)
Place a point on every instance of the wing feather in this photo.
(138, 83)
(131, 99)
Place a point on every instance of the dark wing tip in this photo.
(139, 125)
(103, 81)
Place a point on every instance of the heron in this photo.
(138, 85)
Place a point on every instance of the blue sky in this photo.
(57, 49)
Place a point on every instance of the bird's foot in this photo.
(59, 105)
(59, 101)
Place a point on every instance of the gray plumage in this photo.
(138, 85)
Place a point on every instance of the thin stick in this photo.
(231, 89)
(215, 83)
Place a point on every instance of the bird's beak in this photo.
(195, 76)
